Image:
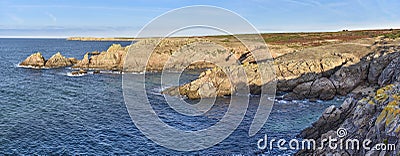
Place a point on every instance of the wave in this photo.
(30, 67)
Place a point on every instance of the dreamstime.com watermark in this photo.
(332, 143)
(196, 20)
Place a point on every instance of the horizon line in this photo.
(265, 32)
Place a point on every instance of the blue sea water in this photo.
(48, 112)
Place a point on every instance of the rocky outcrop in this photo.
(380, 60)
(215, 82)
(112, 59)
(391, 73)
(162, 51)
(314, 73)
(322, 88)
(375, 117)
(57, 61)
(36, 60)
(349, 77)
(80, 72)
(175, 54)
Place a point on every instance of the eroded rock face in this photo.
(35, 60)
(215, 82)
(380, 60)
(375, 117)
(57, 61)
(349, 77)
(321, 88)
(314, 73)
(391, 73)
(112, 59)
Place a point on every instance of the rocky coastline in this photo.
(375, 117)
(320, 72)
(37, 60)
(366, 70)
(314, 73)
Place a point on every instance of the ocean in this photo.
(50, 112)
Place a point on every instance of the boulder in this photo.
(80, 72)
(349, 77)
(35, 60)
(303, 90)
(57, 61)
(323, 89)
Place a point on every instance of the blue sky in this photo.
(106, 18)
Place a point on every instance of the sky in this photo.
(124, 18)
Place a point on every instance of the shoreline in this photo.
(381, 31)
(365, 70)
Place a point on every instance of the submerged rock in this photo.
(57, 61)
(35, 60)
(80, 72)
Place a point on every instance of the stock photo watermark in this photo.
(332, 143)
(197, 19)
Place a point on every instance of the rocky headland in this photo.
(314, 73)
(362, 65)
(305, 66)
(375, 117)
(37, 60)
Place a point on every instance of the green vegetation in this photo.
(392, 35)
(282, 38)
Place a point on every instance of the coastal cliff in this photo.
(375, 117)
(306, 66)
(314, 73)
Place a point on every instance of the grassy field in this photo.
(287, 38)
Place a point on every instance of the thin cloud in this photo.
(52, 17)
(16, 18)
(89, 7)
(304, 3)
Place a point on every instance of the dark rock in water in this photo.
(80, 72)
(35, 60)
(313, 100)
(173, 91)
(95, 53)
(73, 60)
(96, 72)
(57, 61)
